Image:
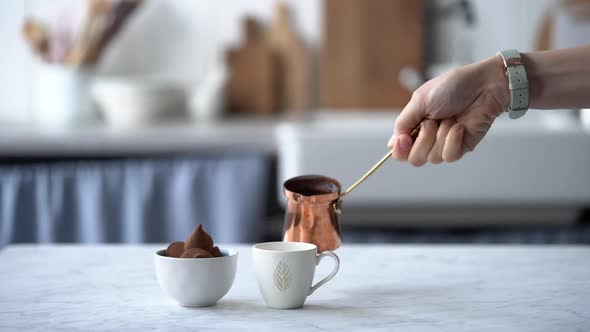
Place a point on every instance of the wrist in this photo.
(532, 73)
(495, 82)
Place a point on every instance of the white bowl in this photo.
(196, 282)
(139, 102)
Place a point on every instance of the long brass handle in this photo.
(413, 134)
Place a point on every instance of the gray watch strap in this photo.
(517, 83)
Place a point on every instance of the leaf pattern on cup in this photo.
(282, 276)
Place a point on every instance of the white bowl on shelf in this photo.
(130, 102)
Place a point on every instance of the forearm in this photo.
(559, 78)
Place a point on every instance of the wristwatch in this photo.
(517, 83)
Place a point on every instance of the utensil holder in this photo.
(63, 98)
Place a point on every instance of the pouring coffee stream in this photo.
(313, 206)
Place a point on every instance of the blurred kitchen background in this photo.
(134, 121)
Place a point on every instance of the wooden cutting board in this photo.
(293, 64)
(251, 85)
(366, 44)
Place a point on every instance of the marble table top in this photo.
(378, 288)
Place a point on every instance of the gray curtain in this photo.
(133, 201)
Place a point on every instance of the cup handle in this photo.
(331, 275)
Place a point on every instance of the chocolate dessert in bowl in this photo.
(196, 272)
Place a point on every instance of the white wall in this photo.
(504, 24)
(183, 38)
(14, 63)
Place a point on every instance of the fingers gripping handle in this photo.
(331, 275)
(413, 134)
(416, 131)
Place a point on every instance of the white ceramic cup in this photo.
(285, 271)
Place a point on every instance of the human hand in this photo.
(456, 110)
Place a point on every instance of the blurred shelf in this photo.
(237, 134)
(233, 135)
